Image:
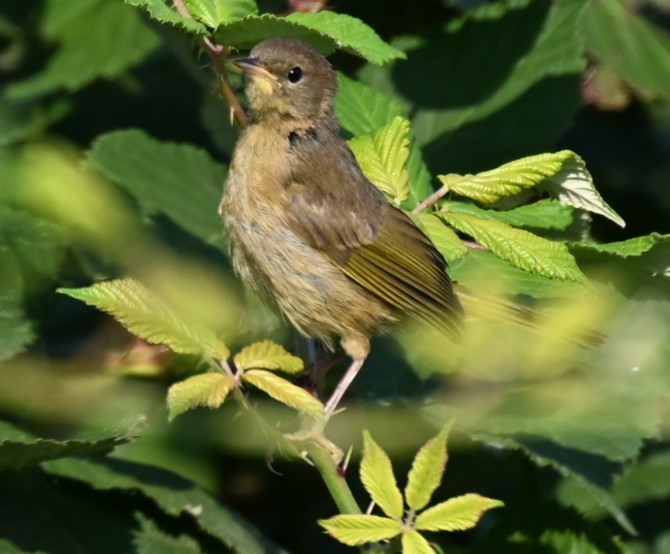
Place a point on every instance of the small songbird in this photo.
(308, 232)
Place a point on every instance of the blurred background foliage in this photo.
(113, 149)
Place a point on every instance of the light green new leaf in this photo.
(488, 187)
(161, 11)
(456, 514)
(267, 355)
(427, 471)
(84, 37)
(149, 317)
(414, 543)
(626, 248)
(378, 479)
(443, 237)
(573, 186)
(354, 530)
(383, 156)
(206, 389)
(326, 30)
(521, 248)
(216, 12)
(283, 391)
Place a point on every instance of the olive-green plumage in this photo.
(308, 231)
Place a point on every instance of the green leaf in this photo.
(354, 530)
(521, 248)
(326, 30)
(427, 471)
(363, 110)
(456, 514)
(177, 180)
(627, 248)
(444, 239)
(283, 391)
(573, 186)
(383, 156)
(267, 355)
(149, 317)
(172, 494)
(414, 543)
(207, 389)
(19, 449)
(544, 214)
(512, 178)
(216, 12)
(532, 89)
(161, 11)
(639, 52)
(85, 36)
(378, 479)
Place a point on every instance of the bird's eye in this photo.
(294, 74)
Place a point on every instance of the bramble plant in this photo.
(556, 388)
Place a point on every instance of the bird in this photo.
(308, 232)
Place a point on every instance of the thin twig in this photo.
(218, 54)
(430, 200)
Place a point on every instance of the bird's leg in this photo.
(342, 387)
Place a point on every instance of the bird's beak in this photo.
(251, 66)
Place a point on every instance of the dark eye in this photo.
(294, 75)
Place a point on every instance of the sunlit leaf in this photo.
(456, 514)
(207, 389)
(267, 355)
(523, 249)
(148, 316)
(283, 391)
(161, 11)
(378, 479)
(354, 530)
(216, 12)
(427, 471)
(414, 543)
(383, 156)
(442, 236)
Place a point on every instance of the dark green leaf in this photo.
(177, 180)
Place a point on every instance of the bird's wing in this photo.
(339, 212)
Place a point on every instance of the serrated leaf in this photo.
(149, 317)
(573, 186)
(456, 514)
(267, 355)
(414, 543)
(521, 248)
(362, 110)
(383, 156)
(489, 187)
(627, 248)
(378, 479)
(206, 389)
(217, 12)
(327, 30)
(427, 471)
(178, 180)
(354, 530)
(161, 11)
(543, 214)
(84, 54)
(283, 391)
(443, 237)
(19, 449)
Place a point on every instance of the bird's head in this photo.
(290, 80)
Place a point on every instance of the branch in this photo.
(334, 480)
(430, 200)
(218, 54)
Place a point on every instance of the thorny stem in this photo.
(334, 480)
(218, 54)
